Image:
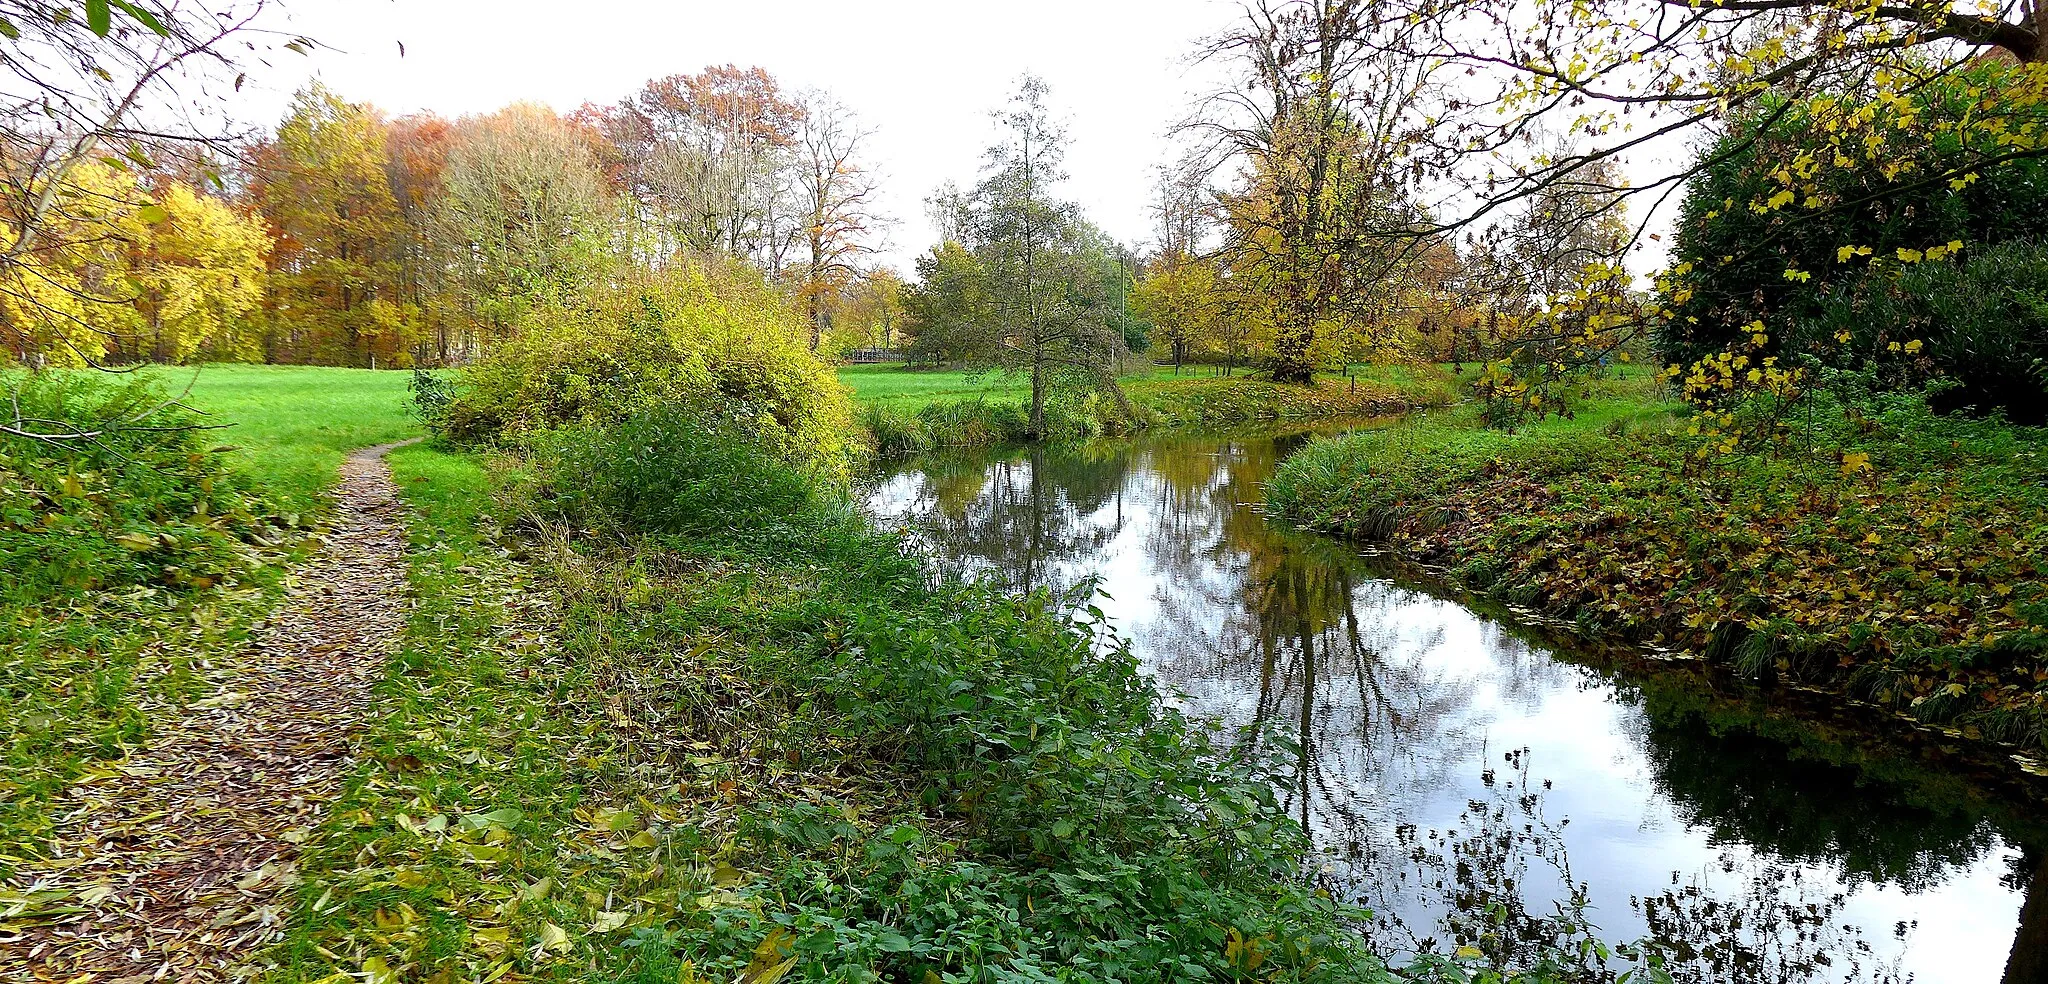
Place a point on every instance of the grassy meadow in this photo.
(290, 426)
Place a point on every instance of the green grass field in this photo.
(894, 386)
(292, 425)
(898, 387)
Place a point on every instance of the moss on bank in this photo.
(1904, 561)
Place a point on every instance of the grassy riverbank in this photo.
(907, 409)
(693, 720)
(1905, 562)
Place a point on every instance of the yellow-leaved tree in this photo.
(70, 301)
(199, 274)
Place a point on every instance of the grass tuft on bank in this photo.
(1903, 560)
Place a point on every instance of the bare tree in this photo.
(835, 189)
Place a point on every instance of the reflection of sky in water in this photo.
(1413, 696)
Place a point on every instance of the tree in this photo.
(705, 157)
(1316, 122)
(69, 301)
(523, 209)
(1631, 79)
(1051, 298)
(835, 189)
(1181, 296)
(321, 183)
(71, 89)
(947, 314)
(416, 162)
(871, 312)
(198, 276)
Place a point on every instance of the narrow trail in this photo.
(184, 852)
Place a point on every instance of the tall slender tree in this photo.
(322, 186)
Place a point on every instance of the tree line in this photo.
(344, 236)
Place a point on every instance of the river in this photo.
(1452, 760)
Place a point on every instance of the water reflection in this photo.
(1436, 745)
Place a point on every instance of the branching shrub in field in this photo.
(136, 506)
(712, 337)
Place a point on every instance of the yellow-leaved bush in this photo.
(711, 336)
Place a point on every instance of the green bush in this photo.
(1979, 328)
(1738, 252)
(151, 504)
(714, 338)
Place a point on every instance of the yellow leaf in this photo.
(1854, 462)
(553, 937)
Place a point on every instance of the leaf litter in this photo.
(174, 864)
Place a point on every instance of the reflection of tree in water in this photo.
(1021, 520)
(1501, 891)
(1285, 633)
(1805, 808)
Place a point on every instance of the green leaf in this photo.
(152, 214)
(8, 30)
(98, 17)
(143, 16)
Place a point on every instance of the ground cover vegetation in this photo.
(135, 559)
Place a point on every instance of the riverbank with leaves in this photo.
(756, 741)
(1901, 560)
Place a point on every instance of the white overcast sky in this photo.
(924, 74)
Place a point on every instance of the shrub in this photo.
(711, 337)
(1736, 251)
(1979, 328)
(678, 473)
(146, 505)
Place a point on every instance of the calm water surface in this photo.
(1444, 754)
